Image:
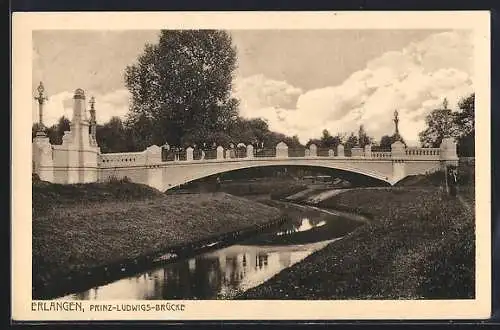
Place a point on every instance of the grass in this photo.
(76, 227)
(420, 244)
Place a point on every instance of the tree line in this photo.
(181, 95)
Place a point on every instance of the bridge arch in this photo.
(175, 175)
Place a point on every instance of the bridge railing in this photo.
(381, 154)
(265, 152)
(414, 151)
(154, 154)
(122, 159)
(297, 152)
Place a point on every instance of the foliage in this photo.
(445, 122)
(440, 124)
(363, 138)
(386, 141)
(465, 121)
(113, 136)
(54, 132)
(351, 142)
(181, 87)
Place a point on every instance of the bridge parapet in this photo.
(429, 153)
(381, 154)
(122, 159)
(152, 155)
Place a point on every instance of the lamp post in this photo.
(93, 120)
(41, 98)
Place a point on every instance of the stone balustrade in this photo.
(122, 159)
(413, 151)
(152, 155)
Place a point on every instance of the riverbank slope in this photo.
(420, 244)
(77, 227)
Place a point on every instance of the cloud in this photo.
(114, 103)
(414, 80)
(258, 91)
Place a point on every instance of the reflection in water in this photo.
(218, 274)
(305, 225)
(215, 275)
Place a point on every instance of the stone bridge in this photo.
(79, 159)
(390, 166)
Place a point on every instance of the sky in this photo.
(299, 81)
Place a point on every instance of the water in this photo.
(229, 271)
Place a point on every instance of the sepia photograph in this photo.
(253, 163)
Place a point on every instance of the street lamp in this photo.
(41, 98)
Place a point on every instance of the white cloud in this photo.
(258, 92)
(414, 80)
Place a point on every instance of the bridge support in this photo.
(76, 160)
(43, 164)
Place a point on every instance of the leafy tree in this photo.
(54, 132)
(112, 136)
(363, 138)
(328, 141)
(63, 125)
(386, 141)
(351, 142)
(465, 122)
(181, 88)
(464, 118)
(440, 124)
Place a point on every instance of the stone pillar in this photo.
(448, 151)
(153, 154)
(398, 153)
(340, 150)
(220, 152)
(307, 152)
(93, 122)
(281, 150)
(76, 160)
(189, 154)
(398, 150)
(154, 172)
(313, 150)
(42, 158)
(249, 151)
(331, 153)
(368, 151)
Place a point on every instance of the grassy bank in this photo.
(420, 244)
(76, 227)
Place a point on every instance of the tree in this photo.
(363, 138)
(386, 141)
(54, 132)
(465, 122)
(112, 136)
(351, 142)
(181, 88)
(464, 118)
(440, 124)
(57, 131)
(328, 141)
